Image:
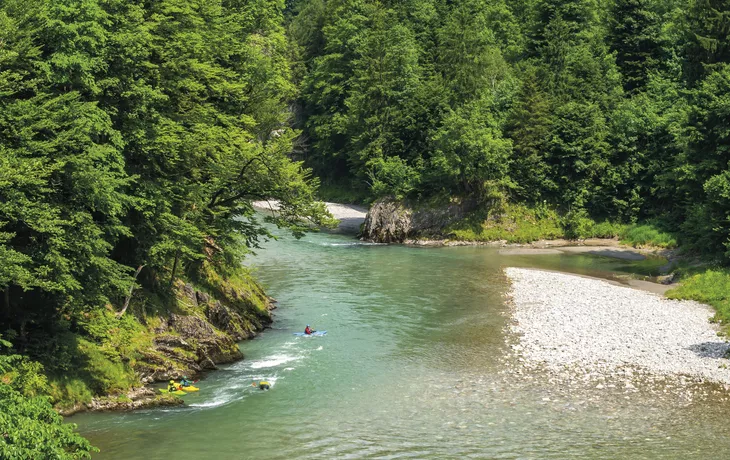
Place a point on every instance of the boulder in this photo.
(395, 221)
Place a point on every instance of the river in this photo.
(415, 364)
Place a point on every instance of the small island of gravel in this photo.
(590, 325)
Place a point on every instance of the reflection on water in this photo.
(415, 364)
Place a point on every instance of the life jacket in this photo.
(308, 331)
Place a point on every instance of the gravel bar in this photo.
(349, 215)
(568, 321)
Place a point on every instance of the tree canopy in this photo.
(610, 108)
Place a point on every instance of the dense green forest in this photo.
(611, 110)
(134, 136)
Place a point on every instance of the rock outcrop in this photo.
(136, 398)
(395, 221)
(203, 334)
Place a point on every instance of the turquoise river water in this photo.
(415, 364)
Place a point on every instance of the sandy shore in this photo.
(349, 215)
(592, 326)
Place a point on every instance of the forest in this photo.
(604, 110)
(134, 136)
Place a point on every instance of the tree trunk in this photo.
(22, 337)
(131, 290)
(174, 267)
(8, 313)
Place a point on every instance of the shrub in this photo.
(606, 229)
(577, 224)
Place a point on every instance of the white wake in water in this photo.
(273, 361)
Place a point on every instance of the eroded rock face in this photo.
(231, 322)
(188, 344)
(388, 221)
(394, 221)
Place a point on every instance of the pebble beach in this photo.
(571, 322)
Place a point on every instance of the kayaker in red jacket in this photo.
(308, 330)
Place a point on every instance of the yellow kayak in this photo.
(164, 391)
(190, 389)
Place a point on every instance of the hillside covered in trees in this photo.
(602, 110)
(133, 138)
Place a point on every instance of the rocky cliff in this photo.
(397, 221)
(205, 332)
(199, 329)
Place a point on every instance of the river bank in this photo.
(588, 328)
(192, 332)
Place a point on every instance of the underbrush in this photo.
(339, 193)
(520, 224)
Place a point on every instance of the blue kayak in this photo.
(313, 334)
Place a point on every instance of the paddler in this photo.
(184, 382)
(308, 330)
(171, 387)
(263, 385)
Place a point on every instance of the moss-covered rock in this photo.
(196, 329)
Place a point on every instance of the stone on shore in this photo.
(566, 321)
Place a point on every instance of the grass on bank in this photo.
(647, 235)
(103, 354)
(709, 286)
(513, 223)
(521, 224)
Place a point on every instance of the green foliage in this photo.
(137, 135)
(119, 339)
(635, 35)
(606, 111)
(577, 224)
(529, 126)
(66, 392)
(647, 236)
(30, 427)
(706, 37)
(108, 375)
(393, 176)
(606, 229)
(513, 224)
(710, 286)
(134, 137)
(341, 193)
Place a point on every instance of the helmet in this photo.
(307, 325)
(172, 381)
(185, 377)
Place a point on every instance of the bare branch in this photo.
(131, 290)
